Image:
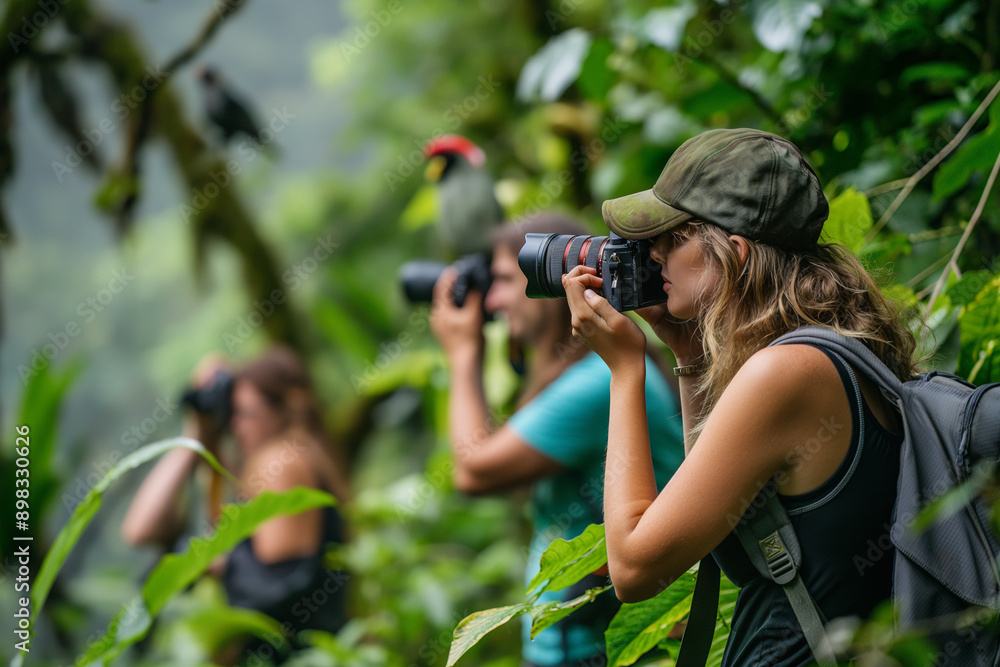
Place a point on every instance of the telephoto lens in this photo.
(544, 258)
(631, 278)
(418, 278)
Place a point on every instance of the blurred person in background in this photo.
(557, 437)
(270, 408)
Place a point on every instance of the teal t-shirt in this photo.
(568, 422)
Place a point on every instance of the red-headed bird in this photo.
(468, 209)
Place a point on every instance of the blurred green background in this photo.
(573, 102)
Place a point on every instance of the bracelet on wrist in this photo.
(690, 369)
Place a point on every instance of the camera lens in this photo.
(418, 280)
(544, 258)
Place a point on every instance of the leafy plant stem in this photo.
(952, 264)
(942, 154)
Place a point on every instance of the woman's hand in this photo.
(613, 336)
(198, 425)
(682, 336)
(459, 330)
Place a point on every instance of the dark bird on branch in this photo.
(468, 209)
(227, 112)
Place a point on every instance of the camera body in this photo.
(214, 399)
(631, 277)
(418, 278)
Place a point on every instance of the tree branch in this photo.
(952, 263)
(942, 154)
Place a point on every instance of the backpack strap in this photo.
(856, 353)
(769, 540)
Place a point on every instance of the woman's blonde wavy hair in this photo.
(777, 291)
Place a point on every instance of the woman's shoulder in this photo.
(786, 379)
(792, 366)
(281, 463)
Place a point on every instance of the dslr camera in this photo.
(214, 399)
(418, 278)
(631, 277)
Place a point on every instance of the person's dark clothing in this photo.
(843, 528)
(300, 593)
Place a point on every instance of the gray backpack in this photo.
(946, 580)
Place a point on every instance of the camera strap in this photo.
(697, 640)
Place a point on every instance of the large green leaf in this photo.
(566, 562)
(550, 613)
(979, 321)
(781, 25)
(217, 625)
(664, 26)
(641, 626)
(473, 627)
(596, 78)
(85, 511)
(175, 572)
(976, 155)
(41, 402)
(849, 221)
(555, 67)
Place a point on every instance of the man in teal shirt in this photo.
(556, 439)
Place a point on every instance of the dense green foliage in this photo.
(574, 101)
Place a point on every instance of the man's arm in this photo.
(488, 457)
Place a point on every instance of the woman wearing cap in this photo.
(735, 218)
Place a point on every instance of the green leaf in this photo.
(422, 211)
(974, 156)
(596, 78)
(216, 626)
(664, 26)
(849, 221)
(781, 25)
(979, 322)
(728, 592)
(85, 511)
(639, 627)
(550, 613)
(964, 291)
(475, 626)
(566, 562)
(950, 73)
(555, 67)
(175, 572)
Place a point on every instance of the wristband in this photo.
(692, 369)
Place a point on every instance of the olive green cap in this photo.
(749, 182)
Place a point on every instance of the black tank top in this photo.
(843, 528)
(301, 591)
